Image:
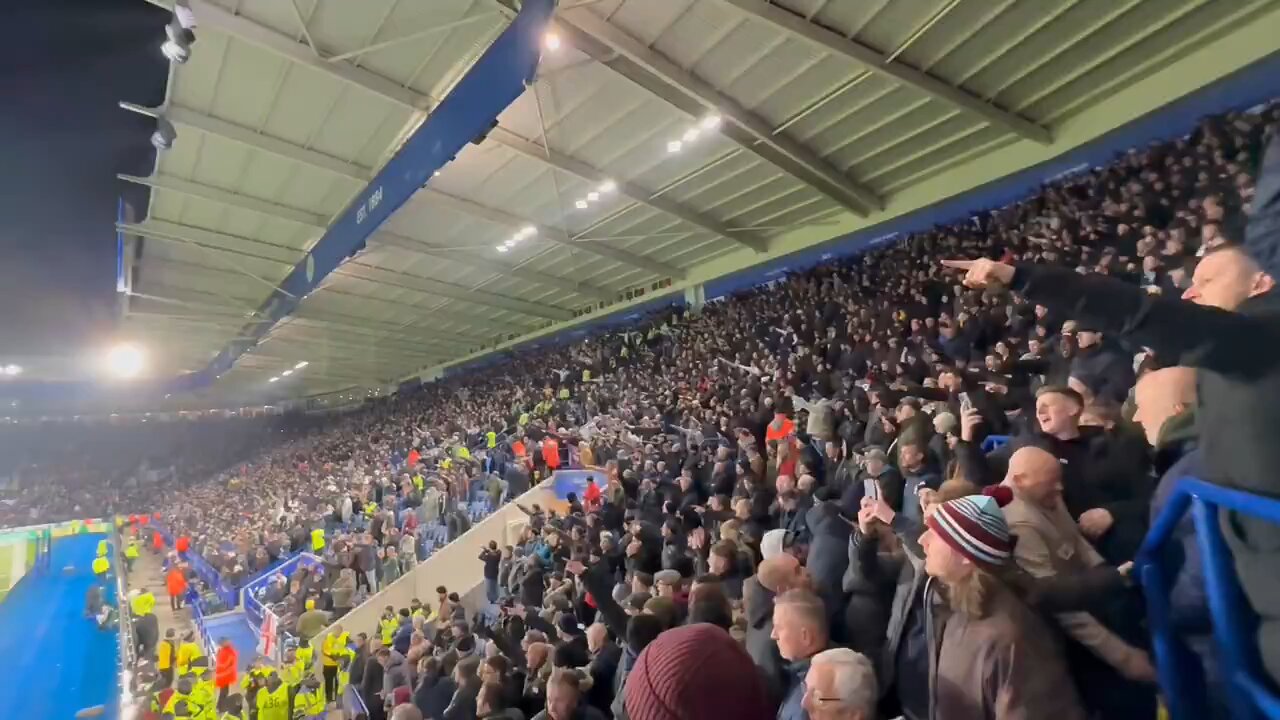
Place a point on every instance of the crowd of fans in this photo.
(794, 515)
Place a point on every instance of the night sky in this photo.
(64, 64)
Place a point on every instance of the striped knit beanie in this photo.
(695, 672)
(974, 526)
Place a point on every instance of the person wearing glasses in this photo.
(840, 685)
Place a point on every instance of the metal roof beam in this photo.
(414, 245)
(220, 19)
(498, 327)
(216, 17)
(360, 271)
(303, 217)
(552, 234)
(227, 198)
(877, 62)
(629, 190)
(687, 92)
(208, 124)
(307, 313)
(216, 241)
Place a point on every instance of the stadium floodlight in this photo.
(274, 379)
(126, 360)
(12, 370)
(502, 248)
(551, 41)
(286, 373)
(607, 187)
(593, 196)
(690, 135)
(675, 146)
(179, 33)
(301, 365)
(581, 204)
(710, 122)
(165, 134)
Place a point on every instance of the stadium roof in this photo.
(660, 136)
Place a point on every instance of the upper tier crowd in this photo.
(794, 514)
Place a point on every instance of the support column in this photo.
(695, 296)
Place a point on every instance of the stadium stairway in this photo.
(58, 661)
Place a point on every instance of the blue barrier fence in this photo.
(253, 590)
(1246, 690)
(229, 596)
(994, 442)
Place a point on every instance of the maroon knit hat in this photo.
(696, 672)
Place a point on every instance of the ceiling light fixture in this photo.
(12, 370)
(674, 146)
(608, 186)
(581, 204)
(502, 248)
(301, 365)
(274, 379)
(165, 134)
(179, 33)
(710, 122)
(690, 135)
(286, 373)
(527, 231)
(593, 196)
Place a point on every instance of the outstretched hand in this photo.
(982, 273)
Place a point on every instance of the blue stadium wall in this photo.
(1249, 86)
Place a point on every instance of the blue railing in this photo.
(203, 570)
(1246, 691)
(994, 442)
(253, 607)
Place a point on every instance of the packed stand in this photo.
(794, 514)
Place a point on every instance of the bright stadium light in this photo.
(551, 41)
(710, 123)
(301, 365)
(286, 373)
(274, 379)
(608, 186)
(12, 370)
(126, 360)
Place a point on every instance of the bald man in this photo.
(1050, 545)
(774, 577)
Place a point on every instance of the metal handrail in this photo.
(128, 642)
(1247, 694)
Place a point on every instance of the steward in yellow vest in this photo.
(203, 693)
(100, 567)
(317, 541)
(310, 701)
(182, 694)
(388, 625)
(273, 700)
(189, 650)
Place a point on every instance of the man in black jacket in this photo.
(1106, 483)
(1231, 332)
